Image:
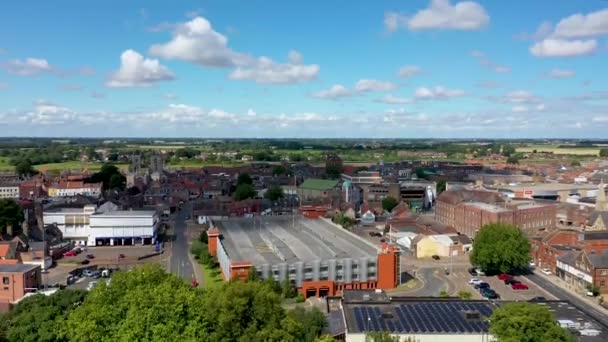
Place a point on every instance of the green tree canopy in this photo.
(385, 336)
(244, 178)
(604, 152)
(575, 163)
(110, 176)
(244, 191)
(389, 203)
(514, 159)
(39, 317)
(24, 168)
(10, 214)
(500, 247)
(274, 193)
(526, 322)
(441, 186)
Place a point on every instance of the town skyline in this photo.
(391, 69)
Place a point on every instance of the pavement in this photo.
(180, 262)
(554, 286)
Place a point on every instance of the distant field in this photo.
(560, 150)
(75, 165)
(197, 163)
(4, 165)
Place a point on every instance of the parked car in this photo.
(77, 250)
(121, 256)
(504, 276)
(482, 285)
(71, 279)
(511, 281)
(489, 293)
(475, 281)
(90, 256)
(96, 274)
(69, 254)
(519, 286)
(538, 299)
(436, 257)
(87, 273)
(546, 271)
(85, 262)
(473, 271)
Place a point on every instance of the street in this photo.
(562, 294)
(179, 263)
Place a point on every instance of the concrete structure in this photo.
(319, 190)
(9, 190)
(553, 191)
(445, 319)
(74, 188)
(89, 226)
(318, 257)
(363, 178)
(443, 245)
(16, 280)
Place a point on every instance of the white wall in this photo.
(9, 192)
(431, 337)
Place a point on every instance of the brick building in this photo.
(467, 211)
(16, 280)
(583, 269)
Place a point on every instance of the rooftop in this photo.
(548, 187)
(489, 207)
(17, 268)
(130, 213)
(319, 184)
(279, 239)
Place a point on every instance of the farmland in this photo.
(580, 151)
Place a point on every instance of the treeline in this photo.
(147, 304)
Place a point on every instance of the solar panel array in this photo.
(429, 318)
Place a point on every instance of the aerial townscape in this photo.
(433, 171)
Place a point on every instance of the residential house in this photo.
(584, 269)
(17, 280)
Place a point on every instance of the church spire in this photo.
(600, 200)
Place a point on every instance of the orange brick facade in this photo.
(14, 284)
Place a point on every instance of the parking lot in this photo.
(459, 280)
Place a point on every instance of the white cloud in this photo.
(540, 107)
(251, 112)
(47, 113)
(519, 109)
(583, 26)
(170, 96)
(336, 91)
(484, 61)
(424, 93)
(442, 15)
(136, 71)
(196, 41)
(601, 119)
(266, 70)
(543, 31)
(391, 99)
(561, 73)
(520, 96)
(374, 85)
(501, 69)
(563, 48)
(28, 67)
(409, 71)
(392, 21)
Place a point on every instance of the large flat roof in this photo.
(280, 239)
(17, 268)
(548, 187)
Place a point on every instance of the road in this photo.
(179, 263)
(433, 284)
(562, 294)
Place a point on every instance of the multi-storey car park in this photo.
(318, 257)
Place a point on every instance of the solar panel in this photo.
(381, 320)
(402, 321)
(359, 319)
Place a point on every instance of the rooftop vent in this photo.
(472, 315)
(366, 297)
(387, 315)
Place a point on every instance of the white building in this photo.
(75, 188)
(88, 226)
(9, 191)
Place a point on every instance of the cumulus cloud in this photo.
(520, 96)
(48, 113)
(409, 71)
(519, 109)
(583, 26)
(334, 92)
(391, 99)
(28, 67)
(196, 41)
(266, 70)
(374, 85)
(438, 93)
(561, 73)
(441, 15)
(542, 32)
(552, 47)
(137, 71)
(487, 63)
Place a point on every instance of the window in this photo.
(6, 280)
(602, 283)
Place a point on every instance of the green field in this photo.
(213, 276)
(580, 151)
(75, 165)
(5, 166)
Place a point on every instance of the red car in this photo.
(504, 276)
(519, 286)
(69, 254)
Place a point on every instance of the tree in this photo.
(444, 293)
(39, 317)
(287, 289)
(513, 160)
(384, 336)
(313, 322)
(500, 247)
(279, 170)
(244, 191)
(389, 203)
(11, 214)
(441, 186)
(24, 168)
(465, 294)
(575, 163)
(421, 174)
(105, 175)
(333, 171)
(604, 152)
(508, 150)
(117, 181)
(244, 178)
(526, 322)
(274, 193)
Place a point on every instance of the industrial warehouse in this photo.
(318, 257)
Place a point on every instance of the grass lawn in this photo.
(213, 276)
(5, 166)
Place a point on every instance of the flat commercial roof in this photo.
(279, 239)
(488, 207)
(20, 268)
(548, 187)
(130, 213)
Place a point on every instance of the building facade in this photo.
(74, 188)
(17, 280)
(9, 191)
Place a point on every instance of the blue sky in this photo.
(405, 69)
